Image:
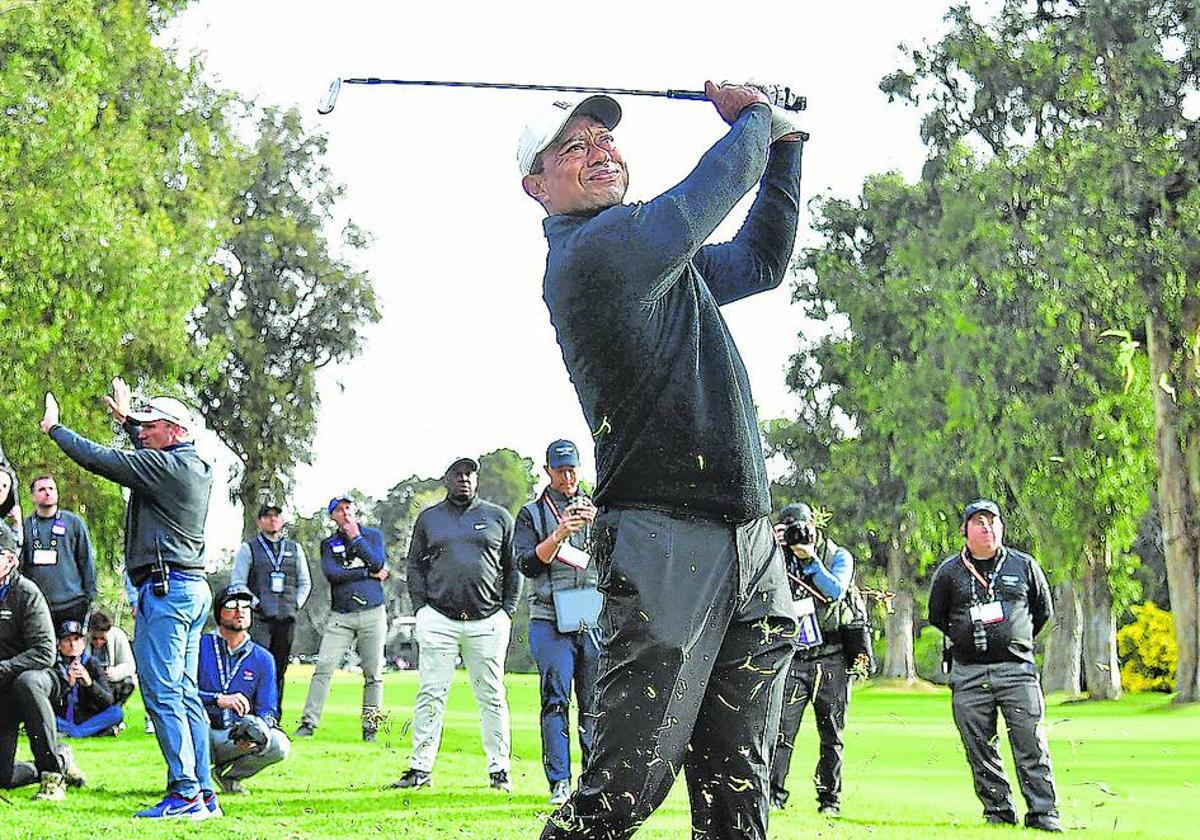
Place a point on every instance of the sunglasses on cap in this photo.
(237, 603)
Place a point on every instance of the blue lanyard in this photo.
(276, 562)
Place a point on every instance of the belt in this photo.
(142, 574)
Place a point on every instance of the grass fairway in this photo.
(1126, 769)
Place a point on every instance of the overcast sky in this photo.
(464, 360)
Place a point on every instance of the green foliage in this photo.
(506, 479)
(113, 177)
(1147, 650)
(284, 304)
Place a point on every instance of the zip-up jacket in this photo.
(460, 560)
(535, 522)
(348, 565)
(27, 640)
(1020, 586)
(80, 702)
(634, 296)
(248, 670)
(168, 498)
(72, 577)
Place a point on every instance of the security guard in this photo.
(820, 573)
(990, 601)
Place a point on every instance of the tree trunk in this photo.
(1064, 649)
(900, 662)
(1175, 508)
(1099, 626)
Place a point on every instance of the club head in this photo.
(330, 100)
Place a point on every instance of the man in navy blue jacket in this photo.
(697, 611)
(237, 685)
(355, 564)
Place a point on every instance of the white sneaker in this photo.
(560, 792)
(149, 728)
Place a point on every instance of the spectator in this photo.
(110, 648)
(83, 699)
(57, 554)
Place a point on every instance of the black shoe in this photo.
(831, 811)
(369, 736)
(778, 800)
(1043, 822)
(499, 780)
(1000, 819)
(304, 730)
(414, 779)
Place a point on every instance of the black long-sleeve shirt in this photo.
(634, 296)
(460, 560)
(1020, 586)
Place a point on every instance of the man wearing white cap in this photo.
(697, 614)
(169, 487)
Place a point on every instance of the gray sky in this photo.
(464, 360)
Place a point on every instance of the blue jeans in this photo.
(97, 724)
(563, 658)
(166, 650)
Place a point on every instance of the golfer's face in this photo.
(582, 169)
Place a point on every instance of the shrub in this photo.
(1147, 650)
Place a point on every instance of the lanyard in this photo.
(223, 676)
(37, 532)
(988, 582)
(812, 591)
(276, 562)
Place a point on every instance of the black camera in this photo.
(799, 533)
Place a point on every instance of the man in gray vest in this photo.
(990, 601)
(821, 574)
(550, 542)
(57, 554)
(275, 569)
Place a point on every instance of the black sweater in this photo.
(634, 295)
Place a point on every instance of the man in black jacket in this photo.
(27, 684)
(83, 700)
(464, 587)
(990, 601)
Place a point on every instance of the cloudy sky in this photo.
(464, 360)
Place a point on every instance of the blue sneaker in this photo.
(174, 806)
(213, 806)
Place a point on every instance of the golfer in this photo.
(697, 622)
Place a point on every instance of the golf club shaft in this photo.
(331, 99)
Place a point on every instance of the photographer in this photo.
(83, 704)
(990, 601)
(550, 543)
(827, 604)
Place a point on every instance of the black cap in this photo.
(70, 627)
(268, 507)
(796, 512)
(234, 591)
(471, 462)
(980, 506)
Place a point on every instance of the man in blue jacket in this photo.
(697, 614)
(237, 685)
(354, 563)
(169, 488)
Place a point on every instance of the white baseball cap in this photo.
(543, 128)
(164, 408)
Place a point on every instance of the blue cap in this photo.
(335, 501)
(562, 453)
(981, 506)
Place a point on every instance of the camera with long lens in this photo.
(799, 533)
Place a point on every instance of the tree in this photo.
(1107, 84)
(284, 305)
(114, 166)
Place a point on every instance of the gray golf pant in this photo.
(234, 762)
(1013, 689)
(483, 644)
(697, 630)
(366, 632)
(824, 684)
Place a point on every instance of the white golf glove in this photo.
(784, 108)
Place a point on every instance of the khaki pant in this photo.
(366, 632)
(483, 645)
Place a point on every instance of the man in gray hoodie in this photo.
(169, 487)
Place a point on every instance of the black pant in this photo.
(28, 699)
(122, 690)
(825, 684)
(697, 631)
(275, 634)
(74, 611)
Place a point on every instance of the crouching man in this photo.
(83, 703)
(237, 685)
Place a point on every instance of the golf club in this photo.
(793, 103)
